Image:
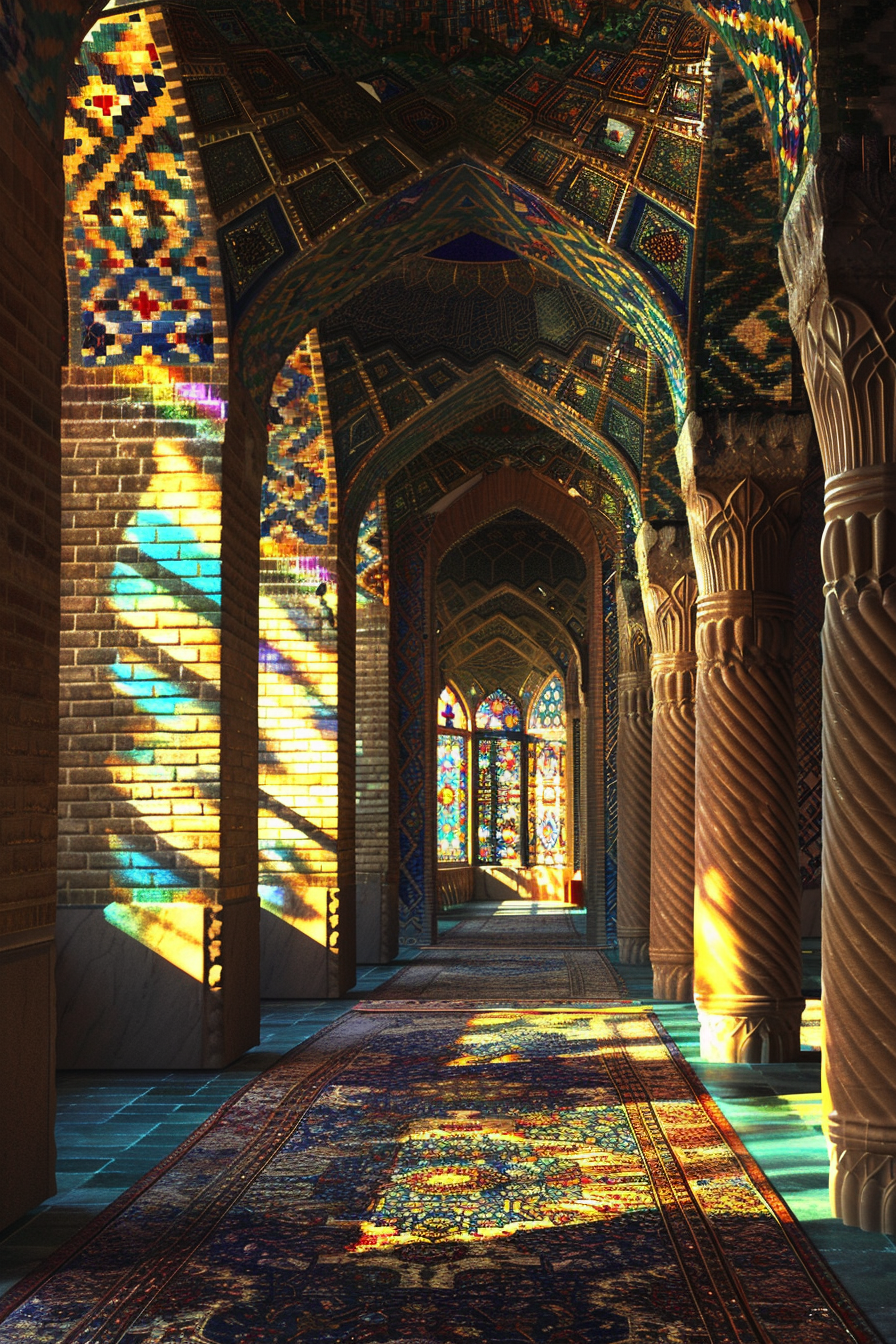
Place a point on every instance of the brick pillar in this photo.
(158, 926)
(306, 733)
(32, 300)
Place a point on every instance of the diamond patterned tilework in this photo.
(672, 163)
(252, 246)
(744, 350)
(600, 67)
(625, 430)
(234, 169)
(384, 85)
(537, 161)
(399, 402)
(139, 281)
(630, 379)
(380, 165)
(293, 144)
(684, 98)
(192, 35)
(661, 483)
(354, 440)
(423, 123)
(307, 63)
(533, 88)
(437, 379)
(323, 198)
(212, 103)
(267, 79)
(593, 195)
(567, 110)
(342, 108)
(371, 560)
(383, 369)
(495, 124)
(345, 393)
(636, 80)
(294, 495)
(229, 25)
(659, 28)
(613, 138)
(692, 42)
(663, 243)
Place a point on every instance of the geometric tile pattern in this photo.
(139, 265)
(744, 342)
(372, 563)
(775, 56)
(663, 243)
(233, 170)
(672, 163)
(295, 505)
(323, 198)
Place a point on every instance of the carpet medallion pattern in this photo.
(552, 1177)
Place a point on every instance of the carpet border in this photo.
(19, 1293)
(813, 1262)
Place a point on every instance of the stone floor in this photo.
(114, 1127)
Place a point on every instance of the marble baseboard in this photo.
(293, 966)
(27, 1068)
(121, 1005)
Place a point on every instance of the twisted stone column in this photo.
(741, 476)
(839, 259)
(669, 587)
(633, 778)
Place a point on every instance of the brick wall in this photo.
(32, 334)
(157, 783)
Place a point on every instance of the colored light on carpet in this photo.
(569, 1180)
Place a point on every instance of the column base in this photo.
(863, 1189)
(673, 982)
(633, 949)
(750, 1030)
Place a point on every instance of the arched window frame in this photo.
(459, 737)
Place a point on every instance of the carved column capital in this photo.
(741, 475)
(669, 591)
(838, 258)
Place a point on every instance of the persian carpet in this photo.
(503, 1177)
(556, 929)
(482, 975)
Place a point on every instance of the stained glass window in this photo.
(498, 778)
(498, 713)
(451, 711)
(451, 798)
(548, 716)
(547, 802)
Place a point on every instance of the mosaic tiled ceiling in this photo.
(579, 139)
(404, 343)
(505, 436)
(512, 606)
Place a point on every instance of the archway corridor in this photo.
(447, 669)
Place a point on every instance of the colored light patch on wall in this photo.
(138, 261)
(175, 932)
(297, 726)
(166, 602)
